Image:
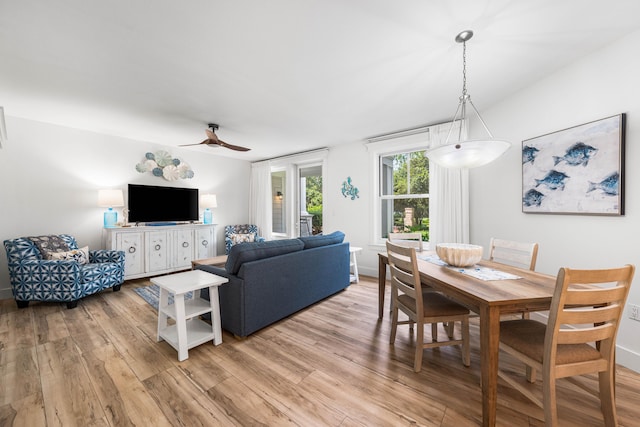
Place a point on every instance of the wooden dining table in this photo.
(490, 299)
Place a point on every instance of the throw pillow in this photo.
(242, 238)
(49, 244)
(81, 256)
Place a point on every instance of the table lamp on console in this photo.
(208, 201)
(110, 199)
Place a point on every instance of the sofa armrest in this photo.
(102, 255)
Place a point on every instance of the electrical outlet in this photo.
(634, 312)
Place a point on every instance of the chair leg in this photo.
(531, 374)
(394, 325)
(549, 401)
(466, 348)
(607, 397)
(116, 288)
(417, 363)
(22, 304)
(450, 326)
(72, 304)
(434, 332)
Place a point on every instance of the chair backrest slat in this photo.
(586, 335)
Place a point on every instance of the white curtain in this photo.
(260, 208)
(449, 193)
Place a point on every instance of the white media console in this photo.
(154, 250)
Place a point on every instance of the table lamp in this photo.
(110, 199)
(208, 201)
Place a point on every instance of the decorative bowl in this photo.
(459, 254)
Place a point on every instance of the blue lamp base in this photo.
(207, 216)
(110, 218)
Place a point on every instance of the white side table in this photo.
(189, 331)
(354, 277)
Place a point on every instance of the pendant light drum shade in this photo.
(468, 153)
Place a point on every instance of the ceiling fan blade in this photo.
(211, 135)
(205, 142)
(231, 146)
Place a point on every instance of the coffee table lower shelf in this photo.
(198, 332)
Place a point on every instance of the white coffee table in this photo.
(188, 331)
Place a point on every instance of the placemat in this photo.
(478, 272)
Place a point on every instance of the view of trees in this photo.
(411, 176)
(314, 201)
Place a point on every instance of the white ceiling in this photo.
(282, 76)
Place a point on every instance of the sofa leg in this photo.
(116, 288)
(22, 304)
(72, 304)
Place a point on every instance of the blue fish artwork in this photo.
(609, 185)
(578, 154)
(532, 198)
(553, 180)
(529, 154)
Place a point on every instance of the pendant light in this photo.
(469, 153)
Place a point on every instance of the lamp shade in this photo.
(468, 154)
(208, 201)
(110, 198)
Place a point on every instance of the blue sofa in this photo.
(269, 281)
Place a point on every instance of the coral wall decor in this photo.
(350, 190)
(162, 164)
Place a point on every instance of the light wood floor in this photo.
(329, 365)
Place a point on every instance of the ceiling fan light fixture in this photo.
(468, 153)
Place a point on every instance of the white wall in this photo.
(51, 176)
(598, 86)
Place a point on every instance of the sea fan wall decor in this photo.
(161, 164)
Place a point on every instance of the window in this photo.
(400, 173)
(404, 193)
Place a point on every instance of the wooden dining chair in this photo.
(579, 338)
(422, 307)
(410, 240)
(518, 254)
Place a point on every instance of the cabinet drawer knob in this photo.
(157, 247)
(185, 244)
(205, 243)
(132, 249)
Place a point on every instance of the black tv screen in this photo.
(162, 204)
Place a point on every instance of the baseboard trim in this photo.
(6, 293)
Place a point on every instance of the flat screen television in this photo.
(151, 204)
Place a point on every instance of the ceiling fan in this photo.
(213, 141)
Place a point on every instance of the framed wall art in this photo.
(579, 170)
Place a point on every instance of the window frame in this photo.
(417, 141)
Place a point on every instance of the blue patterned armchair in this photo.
(240, 233)
(34, 278)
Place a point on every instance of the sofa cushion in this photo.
(322, 239)
(253, 251)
